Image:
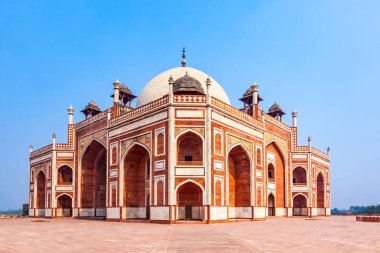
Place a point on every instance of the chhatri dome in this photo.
(159, 85)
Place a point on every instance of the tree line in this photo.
(372, 209)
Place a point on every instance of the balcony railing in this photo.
(140, 110)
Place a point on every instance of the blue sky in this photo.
(319, 57)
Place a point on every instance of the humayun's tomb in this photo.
(182, 153)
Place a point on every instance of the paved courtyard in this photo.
(333, 234)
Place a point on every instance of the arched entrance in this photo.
(320, 194)
(136, 183)
(64, 207)
(189, 202)
(93, 179)
(271, 205)
(239, 170)
(41, 191)
(277, 166)
(299, 205)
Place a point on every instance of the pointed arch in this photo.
(65, 174)
(239, 171)
(64, 205)
(41, 190)
(190, 200)
(321, 190)
(299, 175)
(136, 172)
(271, 204)
(280, 171)
(190, 148)
(93, 179)
(300, 203)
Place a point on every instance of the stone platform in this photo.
(328, 234)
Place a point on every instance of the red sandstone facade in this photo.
(186, 155)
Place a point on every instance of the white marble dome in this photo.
(159, 85)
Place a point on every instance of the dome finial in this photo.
(183, 57)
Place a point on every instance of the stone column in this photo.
(294, 117)
(71, 114)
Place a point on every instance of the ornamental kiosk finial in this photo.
(183, 57)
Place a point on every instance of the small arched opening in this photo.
(189, 201)
(65, 175)
(218, 144)
(189, 149)
(299, 205)
(271, 205)
(271, 175)
(299, 176)
(64, 204)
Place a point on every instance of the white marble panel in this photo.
(135, 212)
(159, 213)
(259, 212)
(159, 165)
(64, 188)
(113, 213)
(218, 212)
(86, 212)
(113, 173)
(218, 165)
(189, 171)
(300, 188)
(189, 113)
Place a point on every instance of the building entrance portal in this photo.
(271, 205)
(189, 199)
(93, 179)
(137, 183)
(41, 185)
(300, 205)
(64, 206)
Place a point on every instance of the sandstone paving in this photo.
(328, 234)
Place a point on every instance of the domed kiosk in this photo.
(159, 87)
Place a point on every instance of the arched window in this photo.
(114, 155)
(299, 176)
(218, 193)
(189, 150)
(160, 144)
(218, 144)
(258, 156)
(160, 193)
(271, 175)
(65, 175)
